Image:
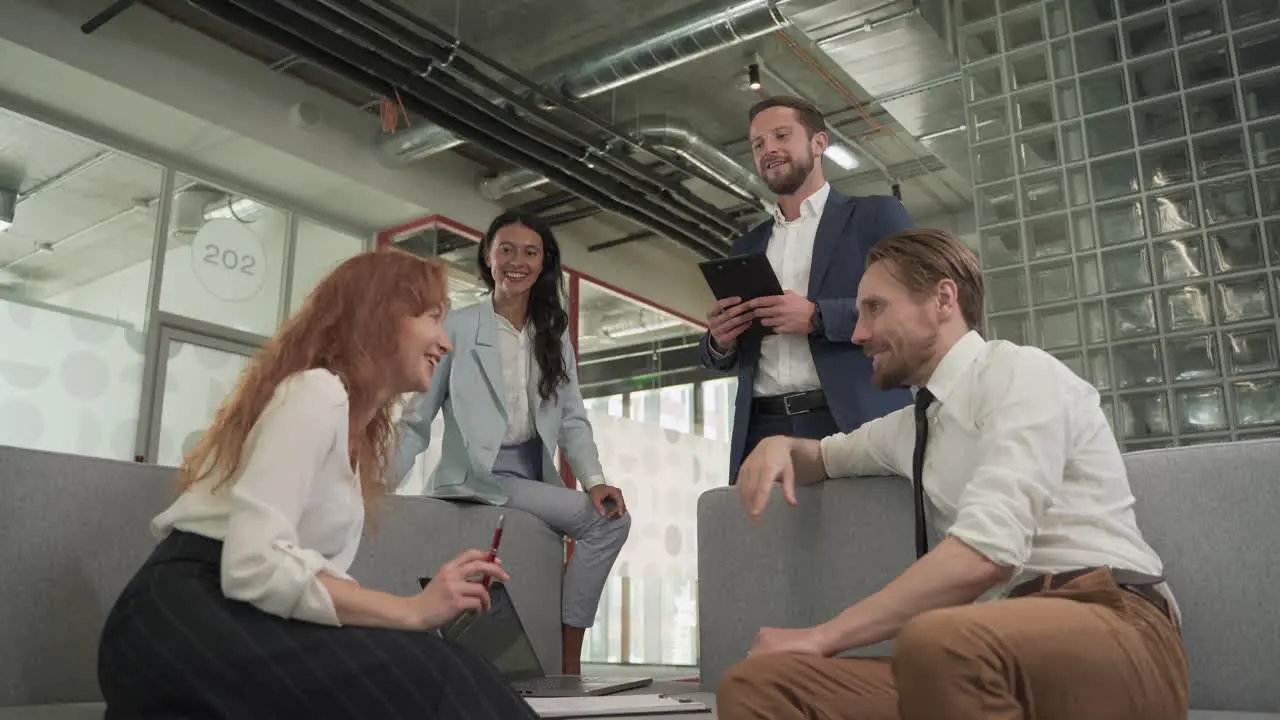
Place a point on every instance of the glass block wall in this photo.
(1126, 164)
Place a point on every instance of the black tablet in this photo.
(745, 276)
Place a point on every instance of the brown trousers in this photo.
(1086, 651)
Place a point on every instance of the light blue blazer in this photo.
(468, 386)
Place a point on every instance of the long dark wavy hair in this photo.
(545, 311)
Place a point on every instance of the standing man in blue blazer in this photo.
(806, 378)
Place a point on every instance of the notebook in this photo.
(613, 706)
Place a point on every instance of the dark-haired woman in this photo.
(510, 396)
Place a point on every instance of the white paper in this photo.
(603, 706)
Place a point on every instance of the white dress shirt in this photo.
(1020, 465)
(516, 350)
(515, 347)
(293, 509)
(786, 361)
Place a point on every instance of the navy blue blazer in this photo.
(848, 228)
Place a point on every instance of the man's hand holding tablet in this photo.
(738, 282)
(727, 319)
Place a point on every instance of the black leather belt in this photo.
(1139, 584)
(790, 404)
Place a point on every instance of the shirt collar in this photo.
(953, 365)
(812, 206)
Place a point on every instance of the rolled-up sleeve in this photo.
(1023, 422)
(875, 448)
(262, 562)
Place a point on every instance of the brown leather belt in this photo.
(791, 404)
(1139, 584)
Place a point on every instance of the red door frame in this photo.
(386, 237)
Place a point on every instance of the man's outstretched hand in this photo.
(768, 465)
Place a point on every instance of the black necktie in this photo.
(923, 400)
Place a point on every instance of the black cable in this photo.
(110, 13)
(619, 166)
(371, 71)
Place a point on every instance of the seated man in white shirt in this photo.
(1028, 488)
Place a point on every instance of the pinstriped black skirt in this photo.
(175, 647)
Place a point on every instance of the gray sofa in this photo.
(1211, 511)
(73, 530)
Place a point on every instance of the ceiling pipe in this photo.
(663, 134)
(452, 59)
(546, 203)
(496, 187)
(670, 41)
(377, 62)
(676, 137)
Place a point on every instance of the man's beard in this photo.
(904, 362)
(790, 182)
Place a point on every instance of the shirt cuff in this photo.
(716, 354)
(836, 455)
(590, 482)
(283, 583)
(995, 534)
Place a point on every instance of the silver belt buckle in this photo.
(786, 404)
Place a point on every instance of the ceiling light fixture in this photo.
(8, 204)
(841, 156)
(753, 76)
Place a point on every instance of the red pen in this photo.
(493, 549)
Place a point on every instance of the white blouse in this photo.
(294, 508)
(516, 349)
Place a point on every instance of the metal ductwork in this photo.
(8, 205)
(416, 144)
(670, 41)
(674, 136)
(496, 187)
(663, 134)
(386, 49)
(901, 55)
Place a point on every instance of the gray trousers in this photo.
(569, 512)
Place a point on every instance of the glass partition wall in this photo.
(131, 295)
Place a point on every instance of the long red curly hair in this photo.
(350, 326)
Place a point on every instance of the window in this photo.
(318, 250)
(718, 398)
(74, 271)
(224, 258)
(611, 405)
(669, 408)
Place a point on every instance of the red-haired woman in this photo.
(245, 608)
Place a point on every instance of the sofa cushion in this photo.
(73, 530)
(1212, 513)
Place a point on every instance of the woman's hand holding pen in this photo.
(454, 589)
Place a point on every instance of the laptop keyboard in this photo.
(556, 682)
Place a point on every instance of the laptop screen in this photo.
(498, 636)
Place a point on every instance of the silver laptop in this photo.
(500, 637)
